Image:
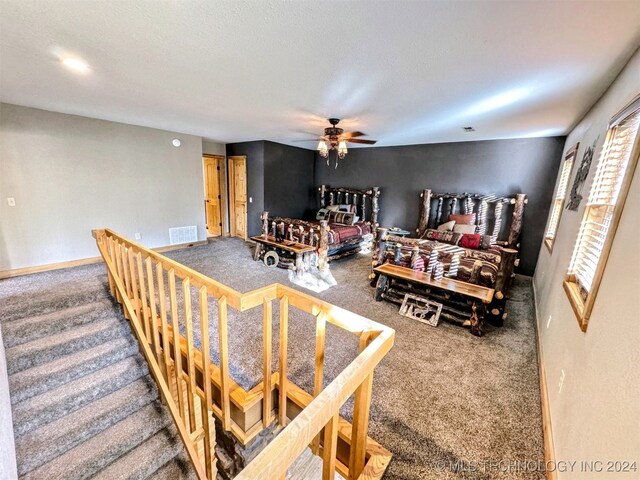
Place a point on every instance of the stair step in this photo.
(47, 349)
(43, 444)
(146, 458)
(49, 301)
(23, 330)
(177, 469)
(37, 380)
(88, 458)
(54, 404)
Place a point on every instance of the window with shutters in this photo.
(558, 199)
(603, 210)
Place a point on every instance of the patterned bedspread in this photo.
(339, 233)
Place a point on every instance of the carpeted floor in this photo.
(448, 405)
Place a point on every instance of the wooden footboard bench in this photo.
(462, 302)
(286, 254)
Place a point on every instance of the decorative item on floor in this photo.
(575, 197)
(421, 309)
(313, 279)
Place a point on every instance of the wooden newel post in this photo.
(425, 210)
(323, 190)
(265, 224)
(323, 247)
(375, 207)
(516, 222)
(379, 250)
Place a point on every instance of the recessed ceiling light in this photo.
(75, 64)
(176, 143)
(469, 129)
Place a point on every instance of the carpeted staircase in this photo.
(83, 402)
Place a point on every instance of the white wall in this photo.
(70, 174)
(596, 415)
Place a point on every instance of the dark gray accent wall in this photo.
(279, 179)
(503, 167)
(254, 151)
(288, 180)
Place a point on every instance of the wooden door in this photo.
(238, 196)
(212, 194)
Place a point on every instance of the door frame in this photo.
(231, 195)
(222, 178)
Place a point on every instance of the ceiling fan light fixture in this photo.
(342, 149)
(322, 149)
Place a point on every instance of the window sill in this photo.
(577, 304)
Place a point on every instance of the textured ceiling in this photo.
(403, 72)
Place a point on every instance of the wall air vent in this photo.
(179, 235)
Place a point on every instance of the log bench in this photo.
(286, 254)
(462, 302)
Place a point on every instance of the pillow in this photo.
(464, 228)
(475, 241)
(349, 208)
(333, 208)
(468, 219)
(447, 226)
(344, 218)
(322, 214)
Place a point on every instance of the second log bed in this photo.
(498, 220)
(332, 240)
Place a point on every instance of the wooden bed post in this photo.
(516, 222)
(323, 247)
(375, 207)
(265, 224)
(425, 208)
(323, 190)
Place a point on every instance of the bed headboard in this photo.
(366, 201)
(492, 213)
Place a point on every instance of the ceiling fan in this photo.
(335, 138)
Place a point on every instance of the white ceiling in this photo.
(404, 72)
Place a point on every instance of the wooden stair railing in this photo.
(195, 389)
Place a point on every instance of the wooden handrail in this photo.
(187, 377)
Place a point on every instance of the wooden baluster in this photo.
(134, 286)
(323, 190)
(154, 313)
(224, 362)
(339, 201)
(516, 221)
(482, 216)
(364, 207)
(425, 210)
(330, 448)
(453, 203)
(346, 198)
(115, 250)
(143, 299)
(497, 221)
(191, 369)
(318, 381)
(177, 353)
(284, 335)
(439, 212)
(361, 407)
(331, 198)
(206, 403)
(165, 327)
(109, 247)
(375, 207)
(266, 366)
(125, 268)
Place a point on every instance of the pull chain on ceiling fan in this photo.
(335, 138)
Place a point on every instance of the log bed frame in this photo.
(492, 218)
(367, 207)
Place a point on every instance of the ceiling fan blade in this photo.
(307, 140)
(349, 135)
(362, 140)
